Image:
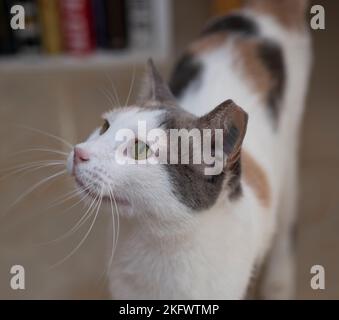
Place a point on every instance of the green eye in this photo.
(104, 127)
(141, 150)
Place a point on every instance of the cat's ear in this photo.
(155, 91)
(233, 121)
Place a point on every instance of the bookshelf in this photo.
(160, 50)
(28, 62)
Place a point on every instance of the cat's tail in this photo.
(290, 14)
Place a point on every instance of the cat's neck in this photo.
(149, 227)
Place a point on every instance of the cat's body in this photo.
(260, 59)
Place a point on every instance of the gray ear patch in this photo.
(232, 138)
(189, 183)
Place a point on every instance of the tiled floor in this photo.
(69, 104)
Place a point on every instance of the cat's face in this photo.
(124, 159)
(104, 164)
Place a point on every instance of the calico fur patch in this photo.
(205, 44)
(186, 70)
(231, 23)
(263, 63)
(272, 57)
(262, 59)
(256, 178)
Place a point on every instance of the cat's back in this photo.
(258, 56)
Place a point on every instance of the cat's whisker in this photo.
(68, 196)
(40, 150)
(108, 96)
(114, 89)
(117, 215)
(33, 163)
(115, 229)
(113, 95)
(106, 270)
(65, 142)
(82, 220)
(35, 186)
(130, 88)
(76, 226)
(96, 209)
(31, 168)
(62, 198)
(112, 200)
(79, 201)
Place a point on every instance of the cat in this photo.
(188, 235)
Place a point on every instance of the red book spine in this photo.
(77, 26)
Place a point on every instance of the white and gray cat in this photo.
(188, 235)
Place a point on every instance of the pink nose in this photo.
(80, 155)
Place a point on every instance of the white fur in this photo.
(165, 251)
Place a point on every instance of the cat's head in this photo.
(148, 156)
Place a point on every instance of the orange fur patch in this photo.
(289, 13)
(208, 43)
(253, 67)
(249, 62)
(256, 178)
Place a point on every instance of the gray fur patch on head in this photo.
(191, 186)
(189, 183)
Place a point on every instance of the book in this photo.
(99, 9)
(117, 24)
(140, 23)
(50, 26)
(77, 26)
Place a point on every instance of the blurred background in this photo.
(78, 58)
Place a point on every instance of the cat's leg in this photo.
(278, 280)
